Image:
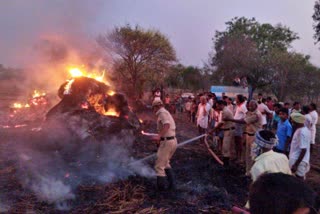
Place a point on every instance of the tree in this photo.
(174, 79)
(139, 56)
(316, 19)
(244, 50)
(290, 70)
(188, 77)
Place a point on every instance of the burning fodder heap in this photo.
(93, 111)
(86, 139)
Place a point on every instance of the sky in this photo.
(190, 25)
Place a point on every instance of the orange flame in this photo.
(36, 94)
(112, 112)
(77, 72)
(20, 105)
(111, 93)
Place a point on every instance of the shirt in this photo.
(203, 115)
(226, 114)
(308, 121)
(188, 106)
(253, 121)
(210, 102)
(284, 130)
(231, 108)
(241, 111)
(164, 117)
(301, 140)
(276, 117)
(270, 162)
(314, 116)
(264, 110)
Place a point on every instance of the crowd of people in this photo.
(263, 135)
(235, 124)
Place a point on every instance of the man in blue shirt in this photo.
(284, 132)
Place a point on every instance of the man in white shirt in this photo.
(305, 110)
(314, 120)
(210, 101)
(266, 160)
(299, 155)
(264, 110)
(240, 114)
(187, 107)
(203, 116)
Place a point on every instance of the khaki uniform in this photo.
(253, 124)
(167, 147)
(228, 132)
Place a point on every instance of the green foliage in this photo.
(292, 76)
(189, 78)
(316, 19)
(140, 56)
(265, 36)
(245, 49)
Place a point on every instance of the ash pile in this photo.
(86, 139)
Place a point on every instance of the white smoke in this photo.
(52, 164)
(47, 37)
(52, 190)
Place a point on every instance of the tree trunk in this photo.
(251, 89)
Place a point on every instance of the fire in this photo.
(77, 72)
(95, 100)
(36, 94)
(20, 105)
(111, 93)
(112, 112)
(140, 120)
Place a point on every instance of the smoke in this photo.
(53, 162)
(44, 37)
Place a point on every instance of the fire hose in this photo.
(180, 145)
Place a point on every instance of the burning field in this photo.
(80, 156)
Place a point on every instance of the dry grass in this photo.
(121, 197)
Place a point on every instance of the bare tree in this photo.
(139, 55)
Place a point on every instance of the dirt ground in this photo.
(204, 186)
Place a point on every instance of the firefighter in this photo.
(167, 143)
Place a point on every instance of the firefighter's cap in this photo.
(157, 103)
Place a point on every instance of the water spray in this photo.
(155, 154)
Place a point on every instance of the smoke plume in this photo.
(47, 36)
(53, 162)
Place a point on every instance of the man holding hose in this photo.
(167, 146)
